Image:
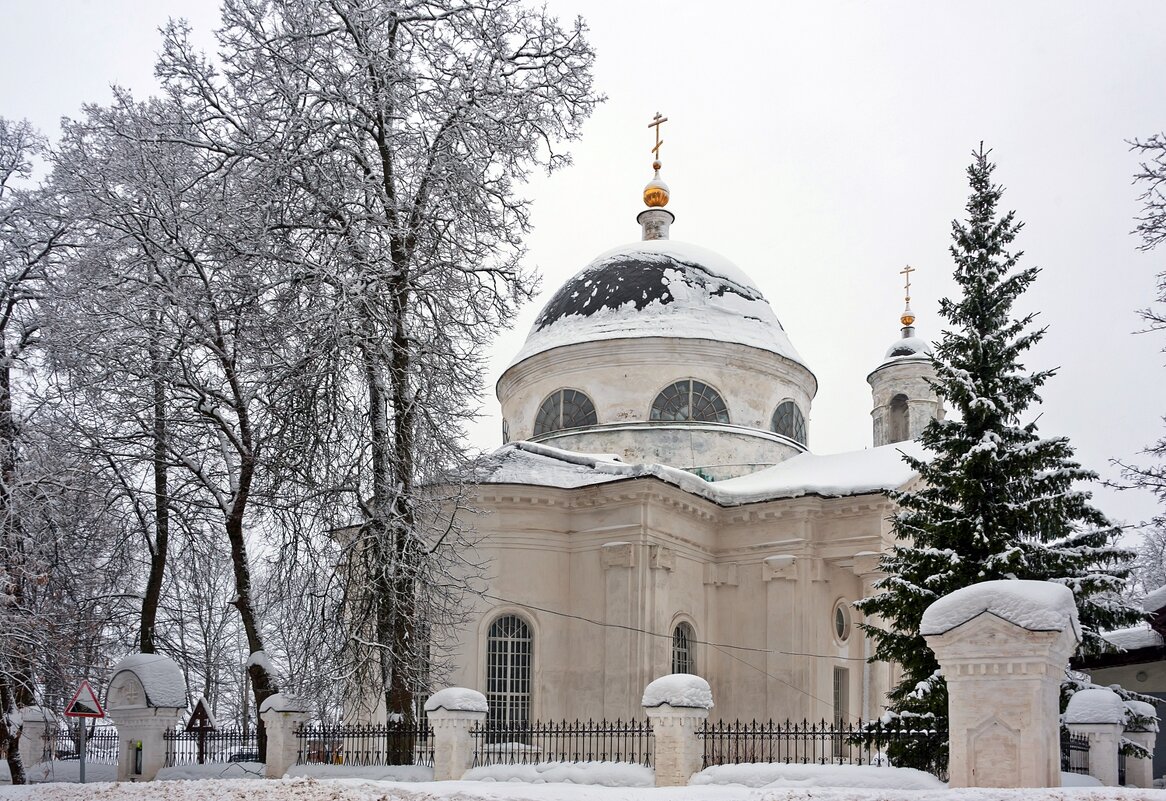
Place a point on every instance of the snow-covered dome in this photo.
(659, 288)
(909, 347)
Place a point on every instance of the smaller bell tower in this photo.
(904, 403)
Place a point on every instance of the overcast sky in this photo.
(820, 146)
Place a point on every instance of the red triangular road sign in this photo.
(84, 703)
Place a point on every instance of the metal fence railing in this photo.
(823, 743)
(1074, 753)
(385, 744)
(100, 745)
(198, 748)
(580, 741)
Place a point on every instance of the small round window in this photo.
(842, 621)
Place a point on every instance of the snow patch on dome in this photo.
(908, 348)
(1032, 605)
(658, 288)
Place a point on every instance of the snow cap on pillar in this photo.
(147, 680)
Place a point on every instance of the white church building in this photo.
(655, 508)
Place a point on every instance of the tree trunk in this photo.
(158, 547)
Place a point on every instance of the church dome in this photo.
(659, 288)
(909, 347)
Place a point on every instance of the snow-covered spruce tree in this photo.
(996, 500)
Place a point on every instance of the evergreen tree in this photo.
(996, 500)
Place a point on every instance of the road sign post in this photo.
(84, 705)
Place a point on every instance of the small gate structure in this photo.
(805, 743)
(564, 741)
(384, 744)
(1074, 753)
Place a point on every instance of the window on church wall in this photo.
(683, 649)
(898, 424)
(841, 621)
(789, 421)
(689, 400)
(841, 695)
(564, 408)
(509, 651)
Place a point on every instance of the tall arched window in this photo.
(564, 408)
(789, 421)
(683, 649)
(898, 422)
(689, 400)
(509, 648)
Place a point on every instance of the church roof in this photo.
(835, 475)
(658, 288)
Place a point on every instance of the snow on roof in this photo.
(1134, 638)
(457, 699)
(1032, 605)
(680, 690)
(908, 348)
(658, 288)
(835, 475)
(1147, 712)
(1095, 705)
(1155, 600)
(160, 676)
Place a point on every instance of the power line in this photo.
(720, 647)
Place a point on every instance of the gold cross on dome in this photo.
(656, 122)
(906, 273)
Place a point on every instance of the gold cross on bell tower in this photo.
(656, 122)
(908, 317)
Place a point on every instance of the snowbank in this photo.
(680, 690)
(307, 789)
(457, 699)
(214, 770)
(160, 676)
(779, 775)
(1095, 705)
(606, 774)
(1032, 605)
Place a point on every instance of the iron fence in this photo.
(386, 744)
(580, 741)
(100, 745)
(1074, 753)
(201, 747)
(822, 743)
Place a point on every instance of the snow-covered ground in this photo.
(313, 789)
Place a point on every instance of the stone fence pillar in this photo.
(676, 705)
(282, 715)
(36, 736)
(1098, 713)
(1003, 647)
(454, 712)
(146, 698)
(1140, 772)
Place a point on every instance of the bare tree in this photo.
(402, 131)
(172, 317)
(1152, 229)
